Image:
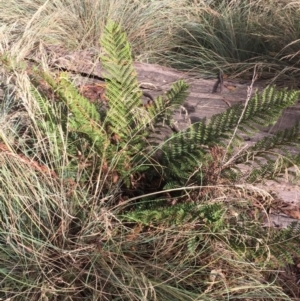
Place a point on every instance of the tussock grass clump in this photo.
(237, 35)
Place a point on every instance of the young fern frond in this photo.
(162, 109)
(122, 87)
(84, 117)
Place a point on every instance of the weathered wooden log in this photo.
(157, 79)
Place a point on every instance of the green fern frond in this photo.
(209, 214)
(240, 232)
(163, 107)
(120, 136)
(126, 117)
(84, 116)
(263, 109)
(122, 87)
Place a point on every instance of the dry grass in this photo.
(192, 35)
(78, 24)
(237, 36)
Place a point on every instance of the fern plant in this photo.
(118, 137)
